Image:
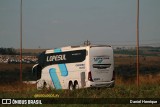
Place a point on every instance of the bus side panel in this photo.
(58, 75)
(53, 75)
(76, 72)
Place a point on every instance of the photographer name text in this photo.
(143, 102)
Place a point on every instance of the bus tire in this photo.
(71, 87)
(41, 84)
(76, 86)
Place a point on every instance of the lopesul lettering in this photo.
(56, 58)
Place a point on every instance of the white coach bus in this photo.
(75, 67)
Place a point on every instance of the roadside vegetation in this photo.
(125, 87)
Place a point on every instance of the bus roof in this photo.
(73, 47)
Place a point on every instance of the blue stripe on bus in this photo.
(54, 78)
(57, 50)
(62, 67)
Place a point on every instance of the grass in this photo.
(147, 89)
(121, 90)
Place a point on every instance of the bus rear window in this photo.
(101, 66)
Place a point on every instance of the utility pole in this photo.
(87, 43)
(21, 41)
(137, 37)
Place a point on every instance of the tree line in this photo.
(8, 51)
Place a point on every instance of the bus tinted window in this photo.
(101, 66)
(62, 57)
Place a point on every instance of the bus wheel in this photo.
(76, 85)
(41, 84)
(70, 86)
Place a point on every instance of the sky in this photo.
(58, 23)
